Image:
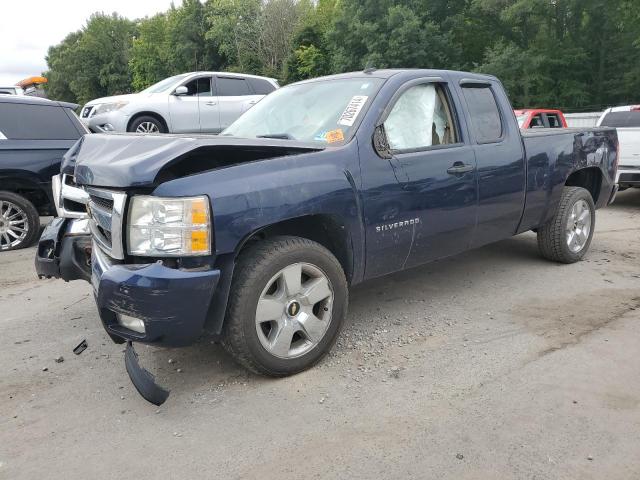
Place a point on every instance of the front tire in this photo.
(287, 303)
(19, 222)
(147, 124)
(567, 236)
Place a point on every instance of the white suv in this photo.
(206, 102)
(627, 122)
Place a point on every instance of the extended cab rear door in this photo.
(499, 154)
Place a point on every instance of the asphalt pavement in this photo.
(495, 364)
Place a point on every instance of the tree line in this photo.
(569, 54)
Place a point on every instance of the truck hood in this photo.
(137, 160)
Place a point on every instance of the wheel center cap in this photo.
(293, 308)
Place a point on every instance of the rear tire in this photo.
(147, 124)
(19, 222)
(566, 238)
(287, 303)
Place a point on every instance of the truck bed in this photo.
(553, 154)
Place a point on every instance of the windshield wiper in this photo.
(283, 136)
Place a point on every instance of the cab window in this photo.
(537, 121)
(421, 118)
(554, 120)
(199, 87)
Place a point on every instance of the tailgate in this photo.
(629, 139)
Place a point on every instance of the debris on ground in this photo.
(459, 456)
(59, 359)
(81, 347)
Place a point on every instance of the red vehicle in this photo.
(540, 118)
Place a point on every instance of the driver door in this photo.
(431, 212)
(185, 109)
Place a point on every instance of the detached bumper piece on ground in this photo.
(144, 381)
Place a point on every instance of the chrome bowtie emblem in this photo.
(293, 309)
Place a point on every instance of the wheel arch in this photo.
(148, 113)
(328, 230)
(589, 178)
(30, 189)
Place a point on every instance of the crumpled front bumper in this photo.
(64, 250)
(171, 303)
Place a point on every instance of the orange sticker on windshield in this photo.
(334, 136)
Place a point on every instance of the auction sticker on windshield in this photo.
(352, 111)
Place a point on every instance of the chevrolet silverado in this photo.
(254, 236)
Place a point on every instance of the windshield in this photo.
(163, 85)
(324, 111)
(521, 120)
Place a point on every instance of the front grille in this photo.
(106, 210)
(104, 203)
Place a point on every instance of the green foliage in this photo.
(571, 54)
(92, 62)
(150, 60)
(311, 48)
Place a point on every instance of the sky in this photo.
(27, 29)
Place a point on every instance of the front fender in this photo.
(248, 197)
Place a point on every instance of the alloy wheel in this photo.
(147, 127)
(14, 225)
(294, 310)
(578, 226)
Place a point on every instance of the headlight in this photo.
(169, 227)
(108, 107)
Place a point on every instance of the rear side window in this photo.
(232, 87)
(484, 113)
(260, 86)
(20, 121)
(554, 120)
(621, 119)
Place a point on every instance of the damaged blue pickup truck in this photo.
(254, 236)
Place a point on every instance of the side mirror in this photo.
(181, 90)
(380, 143)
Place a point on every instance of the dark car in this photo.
(34, 135)
(254, 236)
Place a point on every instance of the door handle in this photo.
(211, 103)
(460, 168)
